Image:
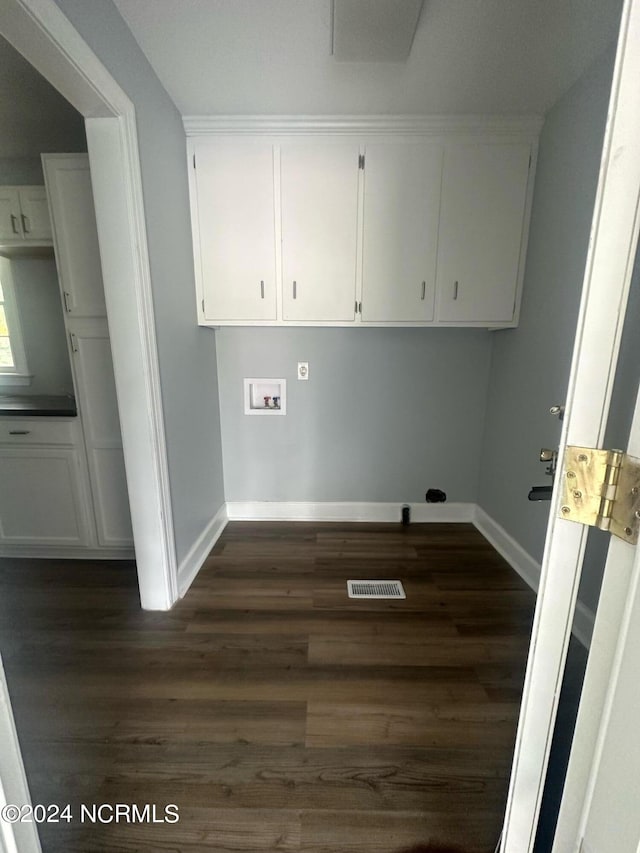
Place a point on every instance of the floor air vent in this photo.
(375, 589)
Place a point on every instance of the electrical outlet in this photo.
(303, 370)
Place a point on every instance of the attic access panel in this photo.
(374, 30)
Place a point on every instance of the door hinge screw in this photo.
(565, 510)
(571, 475)
(583, 457)
(635, 490)
(577, 493)
(628, 531)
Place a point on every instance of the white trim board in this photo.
(529, 569)
(425, 125)
(199, 551)
(346, 511)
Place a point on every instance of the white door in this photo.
(319, 191)
(96, 392)
(234, 229)
(610, 819)
(34, 209)
(484, 192)
(401, 212)
(10, 226)
(75, 235)
(612, 250)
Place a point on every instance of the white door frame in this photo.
(44, 36)
(19, 836)
(607, 278)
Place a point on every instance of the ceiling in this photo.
(34, 117)
(273, 56)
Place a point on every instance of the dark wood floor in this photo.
(275, 712)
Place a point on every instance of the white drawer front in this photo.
(15, 432)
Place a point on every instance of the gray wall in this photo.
(45, 343)
(21, 171)
(186, 353)
(530, 364)
(385, 414)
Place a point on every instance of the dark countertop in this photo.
(35, 405)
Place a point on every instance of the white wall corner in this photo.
(199, 551)
(529, 569)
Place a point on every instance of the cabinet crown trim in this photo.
(436, 125)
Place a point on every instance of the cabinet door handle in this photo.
(424, 290)
(19, 431)
(14, 224)
(262, 290)
(455, 289)
(25, 223)
(295, 290)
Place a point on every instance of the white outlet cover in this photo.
(303, 370)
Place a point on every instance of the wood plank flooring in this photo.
(275, 712)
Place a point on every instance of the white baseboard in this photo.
(507, 547)
(64, 552)
(529, 570)
(346, 511)
(199, 551)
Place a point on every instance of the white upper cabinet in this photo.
(360, 220)
(400, 241)
(319, 198)
(68, 183)
(24, 215)
(35, 213)
(480, 244)
(232, 191)
(9, 214)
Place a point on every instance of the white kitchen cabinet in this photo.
(234, 229)
(42, 501)
(481, 236)
(319, 203)
(75, 235)
(24, 215)
(68, 182)
(92, 366)
(400, 237)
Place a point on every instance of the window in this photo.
(13, 362)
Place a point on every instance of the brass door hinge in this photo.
(601, 488)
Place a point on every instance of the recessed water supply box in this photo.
(265, 396)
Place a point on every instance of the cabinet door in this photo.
(401, 210)
(234, 228)
(41, 501)
(75, 235)
(10, 225)
(96, 392)
(34, 213)
(483, 207)
(319, 185)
